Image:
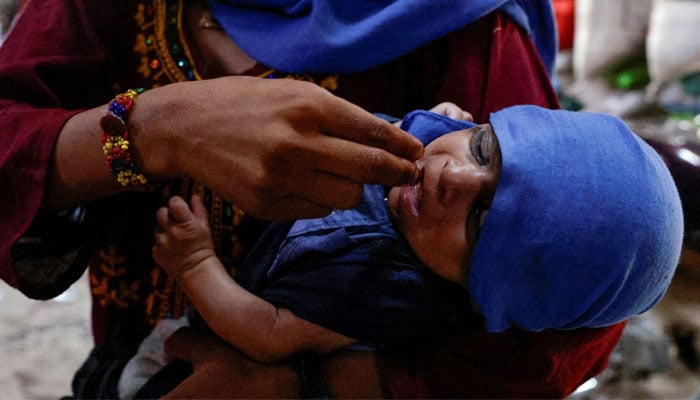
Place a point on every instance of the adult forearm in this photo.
(78, 172)
(220, 371)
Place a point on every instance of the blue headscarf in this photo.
(344, 36)
(585, 228)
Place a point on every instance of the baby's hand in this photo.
(183, 239)
(448, 109)
(453, 111)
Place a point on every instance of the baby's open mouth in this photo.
(412, 195)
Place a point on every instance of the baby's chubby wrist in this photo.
(195, 264)
(201, 280)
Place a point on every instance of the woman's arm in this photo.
(221, 371)
(278, 149)
(54, 62)
(477, 365)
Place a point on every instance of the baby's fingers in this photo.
(160, 246)
(162, 217)
(179, 210)
(198, 208)
(453, 111)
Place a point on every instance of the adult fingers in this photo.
(348, 121)
(324, 192)
(162, 216)
(291, 208)
(308, 189)
(363, 164)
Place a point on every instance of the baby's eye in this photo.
(479, 147)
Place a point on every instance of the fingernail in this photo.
(418, 174)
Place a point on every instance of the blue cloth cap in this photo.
(585, 229)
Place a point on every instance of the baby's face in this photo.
(441, 215)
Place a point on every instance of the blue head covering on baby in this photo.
(585, 228)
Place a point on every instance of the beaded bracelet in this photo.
(115, 140)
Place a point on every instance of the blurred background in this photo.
(636, 59)
(640, 60)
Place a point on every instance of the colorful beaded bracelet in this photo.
(115, 140)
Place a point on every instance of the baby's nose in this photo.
(459, 183)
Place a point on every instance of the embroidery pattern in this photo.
(110, 265)
(165, 57)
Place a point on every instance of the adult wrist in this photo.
(117, 145)
(148, 124)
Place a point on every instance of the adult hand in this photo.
(279, 149)
(222, 372)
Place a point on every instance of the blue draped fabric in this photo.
(345, 36)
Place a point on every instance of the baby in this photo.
(538, 220)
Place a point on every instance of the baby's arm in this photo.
(184, 248)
